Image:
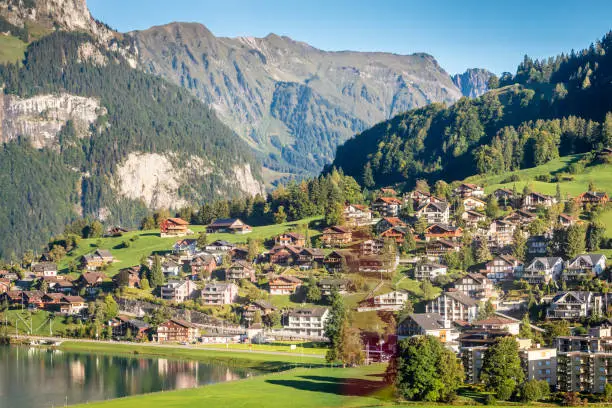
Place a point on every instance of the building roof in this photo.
(336, 229)
(182, 323)
(92, 277)
(461, 298)
(548, 262)
(312, 311)
(493, 320)
(389, 200)
(592, 258)
(225, 222)
(178, 221)
(428, 321)
(74, 299)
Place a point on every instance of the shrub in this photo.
(546, 178)
(576, 168)
(572, 399)
(490, 400)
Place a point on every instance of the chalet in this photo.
(307, 322)
(500, 234)
(476, 286)
(128, 277)
(290, 238)
(355, 215)
(397, 234)
(59, 285)
(327, 286)
(565, 220)
(505, 197)
(240, 270)
(387, 206)
(174, 227)
(33, 299)
(473, 218)
(498, 323)
(443, 231)
(542, 269)
(72, 305)
(390, 301)
(239, 254)
(503, 268)
(228, 225)
(284, 285)
(217, 294)
(388, 192)
(91, 281)
(429, 271)
(284, 255)
(418, 197)
(434, 212)
(220, 246)
(185, 246)
(98, 260)
(171, 268)
(370, 264)
(453, 306)
(336, 236)
(427, 324)
(137, 329)
(583, 266)
(45, 269)
(176, 330)
(474, 204)
(533, 200)
(469, 190)
(52, 301)
(371, 247)
(521, 217)
(202, 266)
(178, 290)
(257, 306)
(537, 245)
(388, 222)
(592, 198)
(575, 305)
(5, 285)
(309, 257)
(441, 247)
(339, 261)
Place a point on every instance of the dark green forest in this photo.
(548, 108)
(145, 114)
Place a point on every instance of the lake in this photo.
(40, 378)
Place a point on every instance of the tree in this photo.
(57, 253)
(486, 310)
(202, 240)
(257, 317)
(334, 326)
(156, 275)
(483, 254)
(333, 214)
(94, 230)
(148, 223)
(111, 307)
(519, 245)
(406, 310)
(425, 371)
(428, 290)
(493, 82)
(492, 208)
(272, 319)
(596, 231)
(144, 284)
(607, 397)
(409, 243)
(368, 176)
(525, 331)
(313, 293)
(351, 352)
(420, 226)
(389, 253)
(280, 216)
(606, 130)
(534, 390)
(254, 248)
(501, 368)
(575, 243)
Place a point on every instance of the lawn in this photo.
(143, 243)
(12, 49)
(306, 349)
(37, 320)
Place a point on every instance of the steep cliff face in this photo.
(40, 118)
(473, 82)
(291, 102)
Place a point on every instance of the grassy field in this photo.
(39, 321)
(143, 243)
(12, 49)
(300, 349)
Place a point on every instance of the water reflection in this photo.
(36, 378)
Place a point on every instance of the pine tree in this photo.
(575, 241)
(519, 245)
(525, 331)
(501, 371)
(156, 275)
(334, 326)
(368, 176)
(280, 217)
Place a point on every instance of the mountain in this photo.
(552, 107)
(473, 82)
(292, 103)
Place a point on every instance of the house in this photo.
(592, 198)
(505, 197)
(476, 286)
(389, 222)
(387, 206)
(12, 297)
(521, 217)
(217, 294)
(176, 330)
(284, 255)
(341, 261)
(465, 190)
(498, 323)
(473, 204)
(308, 322)
(540, 364)
(434, 212)
(240, 254)
(128, 277)
(429, 271)
(178, 290)
(418, 197)
(336, 236)
(537, 245)
(44, 269)
(427, 324)
(170, 268)
(185, 246)
(202, 266)
(371, 247)
(453, 306)
(257, 306)
(542, 270)
(443, 231)
(240, 270)
(472, 359)
(397, 234)
(565, 220)
(583, 266)
(373, 264)
(59, 285)
(33, 299)
(328, 286)
(91, 281)
(134, 328)
(52, 301)
(441, 247)
(228, 225)
(308, 257)
(115, 231)
(174, 227)
(533, 200)
(219, 246)
(290, 238)
(98, 260)
(72, 305)
(355, 215)
(388, 192)
(390, 301)
(473, 218)
(585, 372)
(575, 305)
(500, 234)
(284, 285)
(5, 285)
(503, 268)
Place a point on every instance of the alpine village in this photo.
(458, 252)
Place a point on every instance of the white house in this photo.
(429, 271)
(308, 322)
(575, 305)
(430, 324)
(178, 291)
(453, 306)
(434, 212)
(542, 269)
(584, 265)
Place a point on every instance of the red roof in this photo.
(390, 200)
(178, 221)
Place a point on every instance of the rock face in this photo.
(473, 82)
(291, 102)
(40, 118)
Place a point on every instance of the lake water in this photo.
(40, 378)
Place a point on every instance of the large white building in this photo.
(309, 322)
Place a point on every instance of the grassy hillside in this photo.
(143, 243)
(12, 49)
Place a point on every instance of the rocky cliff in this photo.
(291, 102)
(473, 82)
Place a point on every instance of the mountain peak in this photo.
(473, 82)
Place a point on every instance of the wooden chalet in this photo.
(128, 277)
(387, 206)
(174, 227)
(97, 260)
(592, 198)
(465, 190)
(176, 330)
(284, 255)
(443, 231)
(228, 225)
(336, 236)
(284, 285)
(240, 270)
(203, 266)
(441, 246)
(389, 222)
(290, 238)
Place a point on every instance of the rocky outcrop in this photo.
(40, 118)
(473, 82)
(291, 102)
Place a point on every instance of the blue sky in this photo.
(460, 34)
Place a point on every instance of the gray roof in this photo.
(594, 258)
(313, 311)
(428, 321)
(547, 261)
(461, 298)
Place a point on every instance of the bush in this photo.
(490, 400)
(576, 168)
(512, 178)
(572, 399)
(546, 178)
